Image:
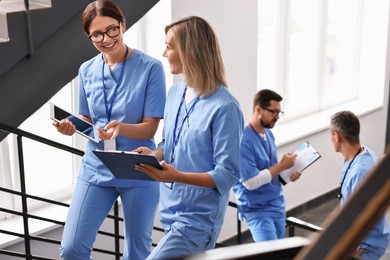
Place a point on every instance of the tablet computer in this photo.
(83, 127)
(122, 164)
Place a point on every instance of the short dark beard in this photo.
(267, 125)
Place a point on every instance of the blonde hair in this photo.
(199, 53)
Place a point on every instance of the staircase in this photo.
(13, 6)
(42, 48)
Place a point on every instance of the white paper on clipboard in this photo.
(306, 156)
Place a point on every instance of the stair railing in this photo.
(28, 238)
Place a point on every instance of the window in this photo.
(323, 53)
(42, 163)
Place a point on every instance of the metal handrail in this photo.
(24, 197)
(291, 222)
(29, 28)
(14, 130)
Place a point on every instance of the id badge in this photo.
(169, 185)
(109, 145)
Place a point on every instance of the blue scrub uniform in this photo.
(192, 216)
(262, 208)
(140, 94)
(377, 240)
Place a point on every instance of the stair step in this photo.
(3, 28)
(2, 40)
(13, 6)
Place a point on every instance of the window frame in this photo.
(316, 118)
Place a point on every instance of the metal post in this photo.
(239, 236)
(291, 230)
(116, 230)
(29, 29)
(27, 238)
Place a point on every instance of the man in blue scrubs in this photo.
(359, 160)
(259, 193)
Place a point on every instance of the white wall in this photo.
(235, 23)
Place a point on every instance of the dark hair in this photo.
(264, 97)
(347, 124)
(100, 8)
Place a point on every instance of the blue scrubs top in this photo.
(379, 236)
(140, 94)
(209, 142)
(257, 154)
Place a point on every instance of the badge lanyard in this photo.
(339, 195)
(261, 141)
(109, 106)
(176, 138)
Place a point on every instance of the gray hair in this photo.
(347, 124)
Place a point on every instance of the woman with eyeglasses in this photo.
(203, 123)
(122, 92)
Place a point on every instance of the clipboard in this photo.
(306, 156)
(122, 164)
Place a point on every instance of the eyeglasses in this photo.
(275, 113)
(111, 32)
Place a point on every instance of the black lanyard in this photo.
(261, 140)
(339, 195)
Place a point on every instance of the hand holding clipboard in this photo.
(306, 156)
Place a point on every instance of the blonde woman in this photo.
(201, 138)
